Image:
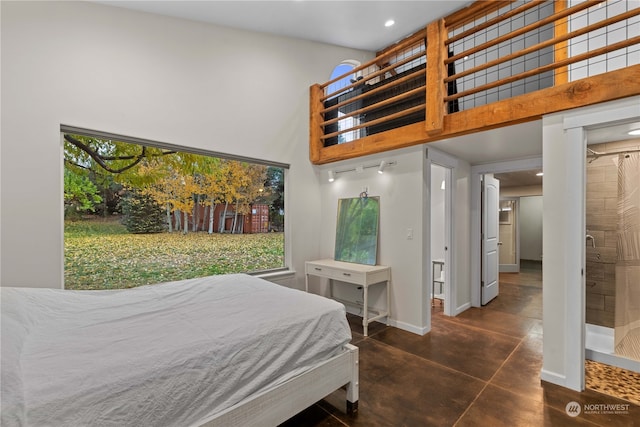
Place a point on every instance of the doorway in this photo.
(439, 286)
(509, 235)
(438, 236)
(503, 171)
(520, 220)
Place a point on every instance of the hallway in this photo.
(480, 368)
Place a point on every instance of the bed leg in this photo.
(353, 387)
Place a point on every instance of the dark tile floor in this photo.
(481, 368)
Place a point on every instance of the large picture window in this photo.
(138, 213)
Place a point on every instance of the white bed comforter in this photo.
(162, 355)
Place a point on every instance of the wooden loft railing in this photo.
(492, 64)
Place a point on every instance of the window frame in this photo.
(273, 273)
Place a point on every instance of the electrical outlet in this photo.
(409, 233)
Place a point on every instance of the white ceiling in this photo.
(616, 132)
(354, 24)
(360, 25)
(507, 143)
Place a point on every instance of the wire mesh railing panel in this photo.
(491, 43)
(606, 36)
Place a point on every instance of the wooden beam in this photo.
(390, 140)
(315, 130)
(436, 54)
(531, 106)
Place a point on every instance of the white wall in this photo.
(403, 205)
(462, 236)
(152, 77)
(531, 228)
(522, 191)
(401, 194)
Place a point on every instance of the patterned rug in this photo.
(613, 381)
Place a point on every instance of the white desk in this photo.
(356, 274)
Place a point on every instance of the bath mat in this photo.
(613, 381)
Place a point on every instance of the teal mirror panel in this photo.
(357, 230)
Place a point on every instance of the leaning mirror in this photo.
(357, 230)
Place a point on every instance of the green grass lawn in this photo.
(101, 254)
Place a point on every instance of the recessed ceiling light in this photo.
(539, 174)
(389, 23)
(634, 132)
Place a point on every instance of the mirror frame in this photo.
(357, 230)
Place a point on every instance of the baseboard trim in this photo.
(409, 327)
(553, 378)
(463, 307)
(392, 322)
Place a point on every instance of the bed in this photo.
(216, 351)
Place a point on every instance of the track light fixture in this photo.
(360, 169)
(382, 166)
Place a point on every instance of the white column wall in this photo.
(403, 209)
(401, 194)
(153, 77)
(462, 237)
(563, 248)
(563, 294)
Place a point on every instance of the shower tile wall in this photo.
(601, 220)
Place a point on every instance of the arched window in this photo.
(342, 68)
(350, 121)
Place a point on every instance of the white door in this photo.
(490, 237)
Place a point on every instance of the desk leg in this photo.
(306, 282)
(365, 310)
(388, 301)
